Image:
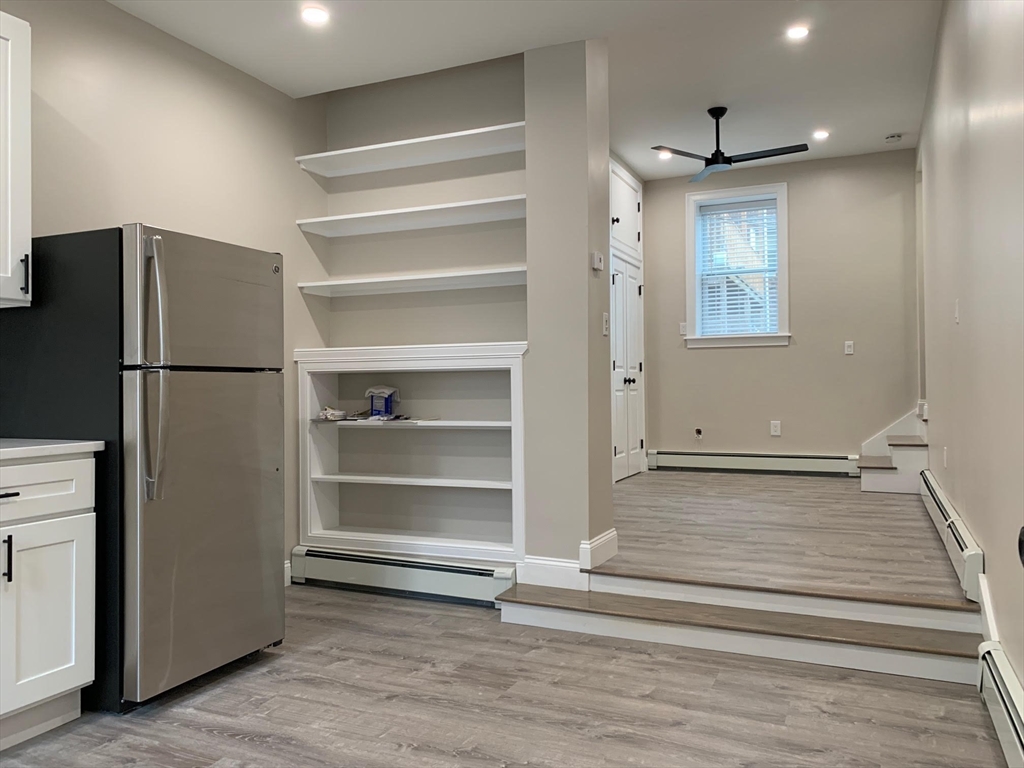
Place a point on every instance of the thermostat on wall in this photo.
(597, 260)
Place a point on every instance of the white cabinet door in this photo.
(624, 201)
(15, 162)
(47, 605)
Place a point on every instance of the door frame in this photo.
(636, 259)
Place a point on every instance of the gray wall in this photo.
(130, 124)
(973, 197)
(852, 278)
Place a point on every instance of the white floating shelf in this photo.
(436, 482)
(416, 424)
(418, 283)
(421, 217)
(427, 150)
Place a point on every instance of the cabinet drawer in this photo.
(46, 488)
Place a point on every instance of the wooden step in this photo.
(906, 441)
(816, 628)
(875, 462)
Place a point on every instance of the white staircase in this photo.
(892, 461)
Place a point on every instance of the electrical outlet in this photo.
(682, 329)
(848, 348)
(605, 324)
(776, 429)
(698, 433)
(597, 261)
(945, 457)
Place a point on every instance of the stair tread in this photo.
(907, 440)
(875, 462)
(820, 628)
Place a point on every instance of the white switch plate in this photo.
(776, 429)
(945, 457)
(596, 261)
(682, 329)
(848, 348)
(956, 311)
(605, 324)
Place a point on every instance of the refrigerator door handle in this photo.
(155, 473)
(154, 248)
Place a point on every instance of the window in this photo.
(736, 267)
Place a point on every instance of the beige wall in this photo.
(130, 124)
(566, 392)
(972, 162)
(852, 278)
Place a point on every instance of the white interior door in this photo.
(620, 362)
(47, 609)
(634, 370)
(624, 202)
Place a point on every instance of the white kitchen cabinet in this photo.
(46, 609)
(47, 585)
(15, 162)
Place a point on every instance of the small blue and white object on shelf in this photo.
(382, 400)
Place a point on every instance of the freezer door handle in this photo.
(153, 246)
(155, 471)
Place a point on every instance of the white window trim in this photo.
(738, 194)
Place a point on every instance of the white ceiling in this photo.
(862, 72)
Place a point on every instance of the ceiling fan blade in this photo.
(708, 169)
(680, 152)
(769, 153)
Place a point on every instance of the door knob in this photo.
(615, 219)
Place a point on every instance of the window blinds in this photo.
(737, 268)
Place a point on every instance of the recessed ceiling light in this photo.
(796, 33)
(315, 16)
(664, 155)
(820, 135)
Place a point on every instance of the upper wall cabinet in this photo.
(625, 211)
(15, 162)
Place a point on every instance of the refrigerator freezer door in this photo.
(204, 522)
(193, 302)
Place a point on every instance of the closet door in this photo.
(634, 329)
(620, 376)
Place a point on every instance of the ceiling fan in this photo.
(719, 161)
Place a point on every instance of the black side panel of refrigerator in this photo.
(60, 377)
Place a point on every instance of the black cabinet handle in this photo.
(615, 219)
(26, 261)
(9, 573)
(10, 494)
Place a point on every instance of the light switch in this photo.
(606, 324)
(848, 348)
(956, 311)
(597, 261)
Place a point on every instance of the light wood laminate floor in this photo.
(790, 533)
(365, 680)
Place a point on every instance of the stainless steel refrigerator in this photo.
(190, 497)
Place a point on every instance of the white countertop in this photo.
(17, 448)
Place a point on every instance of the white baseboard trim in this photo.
(779, 602)
(39, 718)
(288, 573)
(764, 462)
(552, 572)
(599, 549)
(904, 663)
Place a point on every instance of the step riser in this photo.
(887, 481)
(904, 663)
(855, 610)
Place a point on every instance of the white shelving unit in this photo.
(420, 282)
(445, 485)
(420, 217)
(426, 150)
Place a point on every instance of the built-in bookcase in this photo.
(445, 483)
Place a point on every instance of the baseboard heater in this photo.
(754, 462)
(477, 583)
(964, 552)
(1004, 697)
